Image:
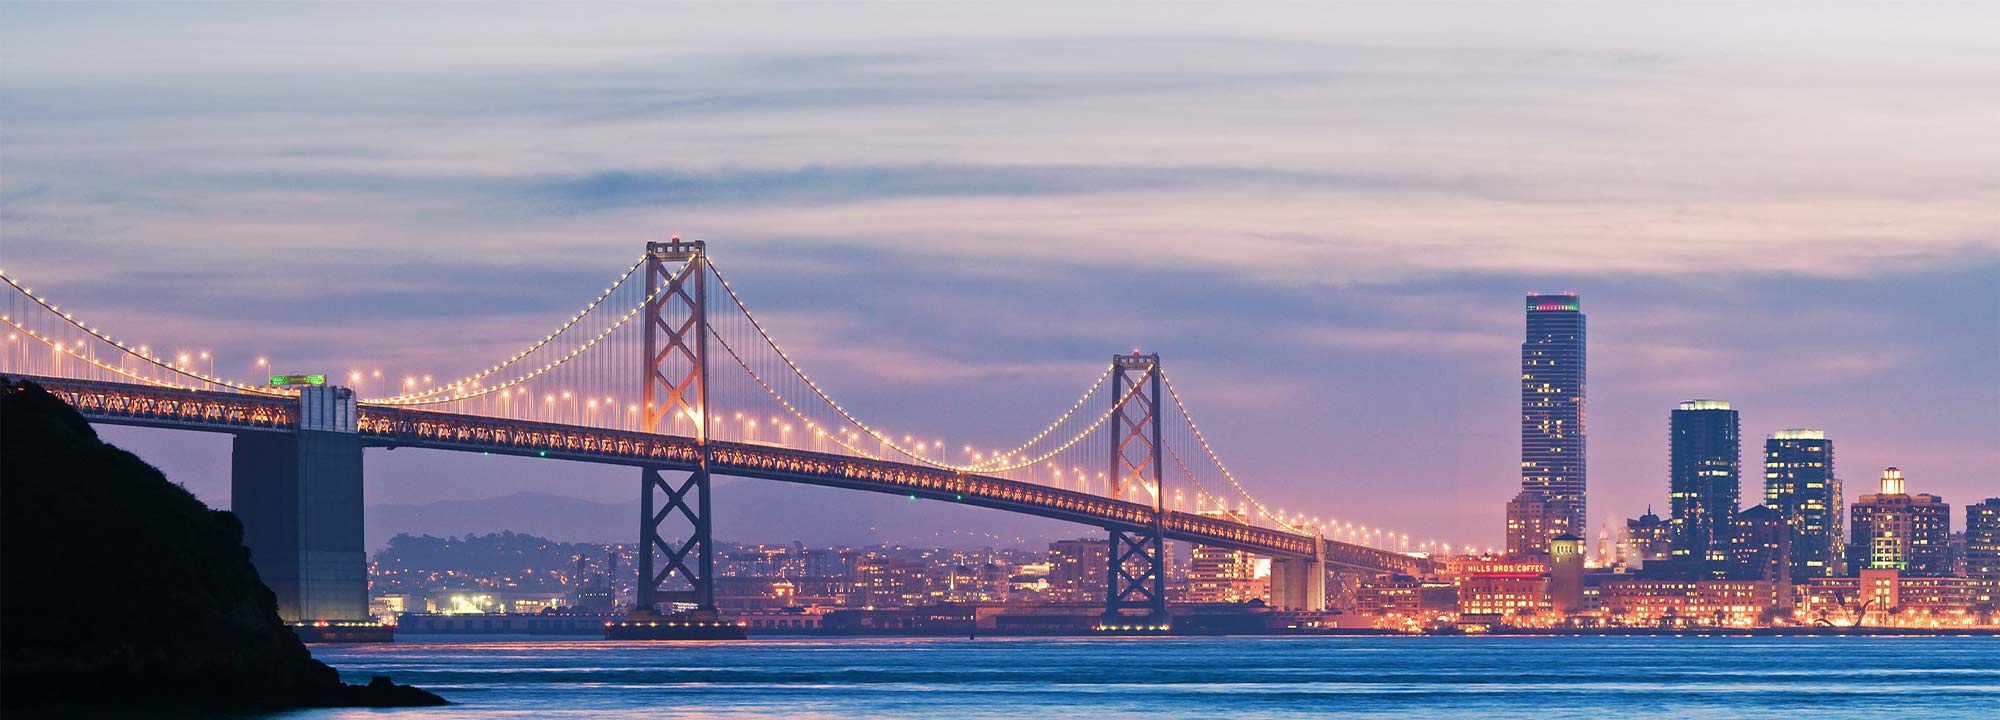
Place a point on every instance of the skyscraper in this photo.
(1800, 486)
(1982, 544)
(1704, 481)
(1894, 530)
(1552, 435)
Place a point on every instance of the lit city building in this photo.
(1566, 574)
(1760, 549)
(1503, 588)
(1527, 524)
(1552, 426)
(1799, 483)
(1077, 570)
(886, 582)
(1982, 545)
(1672, 603)
(1884, 597)
(1647, 537)
(1896, 530)
(1217, 575)
(1400, 600)
(1704, 481)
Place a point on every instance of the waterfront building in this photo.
(1077, 570)
(1760, 549)
(1397, 599)
(1552, 424)
(1503, 588)
(1674, 603)
(1982, 545)
(1704, 482)
(1219, 575)
(1566, 574)
(1893, 529)
(1799, 483)
(1885, 597)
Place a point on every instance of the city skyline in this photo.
(1884, 339)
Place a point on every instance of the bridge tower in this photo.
(1136, 586)
(676, 394)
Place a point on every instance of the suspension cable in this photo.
(71, 319)
(543, 370)
(995, 465)
(517, 357)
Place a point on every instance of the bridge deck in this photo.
(391, 427)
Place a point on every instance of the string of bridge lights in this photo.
(122, 347)
(545, 369)
(435, 390)
(996, 464)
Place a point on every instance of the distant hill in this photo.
(746, 511)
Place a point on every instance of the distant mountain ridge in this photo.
(747, 511)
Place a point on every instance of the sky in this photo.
(1323, 215)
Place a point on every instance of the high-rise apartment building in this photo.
(1552, 426)
(1704, 480)
(1894, 530)
(1982, 545)
(1799, 484)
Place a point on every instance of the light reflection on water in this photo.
(1387, 677)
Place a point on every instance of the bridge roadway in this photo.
(392, 427)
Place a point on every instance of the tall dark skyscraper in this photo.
(1982, 544)
(1552, 437)
(1800, 486)
(1705, 480)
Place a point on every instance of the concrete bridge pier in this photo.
(1298, 584)
(298, 495)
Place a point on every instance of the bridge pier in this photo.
(298, 496)
(1298, 584)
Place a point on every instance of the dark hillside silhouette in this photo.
(121, 588)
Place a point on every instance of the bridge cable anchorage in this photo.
(70, 318)
(997, 465)
(523, 354)
(812, 425)
(538, 372)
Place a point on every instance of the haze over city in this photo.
(954, 214)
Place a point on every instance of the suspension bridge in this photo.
(667, 371)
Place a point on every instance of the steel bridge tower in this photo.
(675, 389)
(1136, 583)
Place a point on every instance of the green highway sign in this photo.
(283, 380)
